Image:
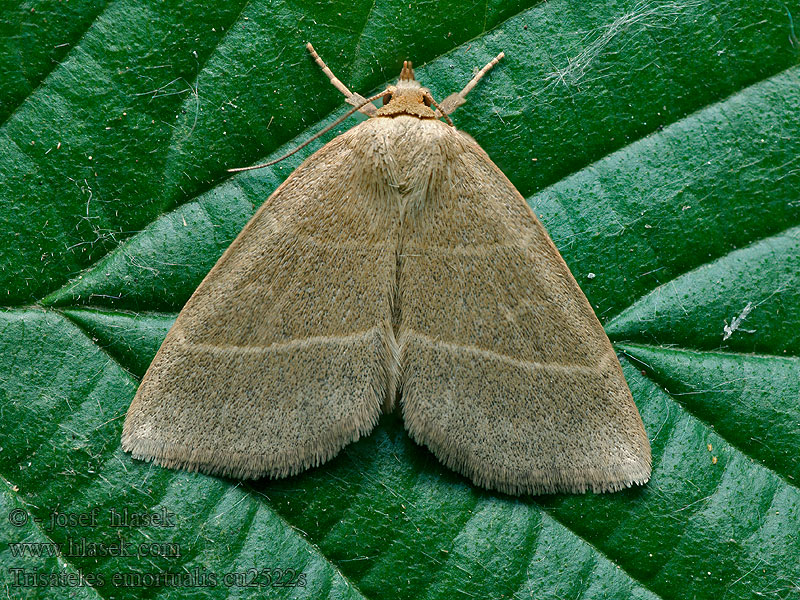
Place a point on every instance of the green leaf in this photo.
(659, 144)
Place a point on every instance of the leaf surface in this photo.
(658, 142)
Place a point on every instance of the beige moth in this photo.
(396, 268)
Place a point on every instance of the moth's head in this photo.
(408, 97)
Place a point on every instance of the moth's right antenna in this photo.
(453, 101)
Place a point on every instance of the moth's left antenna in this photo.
(313, 137)
(350, 97)
(365, 105)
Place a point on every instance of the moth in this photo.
(397, 266)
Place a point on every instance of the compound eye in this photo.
(387, 97)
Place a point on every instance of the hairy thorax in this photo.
(407, 157)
